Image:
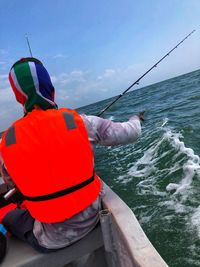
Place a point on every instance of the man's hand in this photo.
(141, 116)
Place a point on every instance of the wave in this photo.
(190, 167)
(167, 158)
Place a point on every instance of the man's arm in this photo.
(109, 133)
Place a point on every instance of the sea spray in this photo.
(183, 161)
(190, 167)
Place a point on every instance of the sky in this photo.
(95, 49)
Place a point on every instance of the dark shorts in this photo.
(20, 224)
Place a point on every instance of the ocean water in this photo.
(159, 176)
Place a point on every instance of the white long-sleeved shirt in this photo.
(100, 132)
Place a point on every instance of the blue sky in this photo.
(95, 49)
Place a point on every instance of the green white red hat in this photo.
(31, 84)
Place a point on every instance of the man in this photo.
(46, 157)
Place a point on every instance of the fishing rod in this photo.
(27, 40)
(137, 81)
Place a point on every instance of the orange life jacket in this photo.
(48, 156)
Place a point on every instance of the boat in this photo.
(117, 241)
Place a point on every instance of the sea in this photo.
(159, 176)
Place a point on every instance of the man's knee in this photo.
(18, 222)
(10, 218)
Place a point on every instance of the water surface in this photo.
(159, 176)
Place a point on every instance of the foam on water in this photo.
(190, 167)
(145, 168)
(148, 161)
(174, 205)
(183, 161)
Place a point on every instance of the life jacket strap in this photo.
(10, 137)
(63, 192)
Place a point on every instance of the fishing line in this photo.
(137, 81)
(165, 121)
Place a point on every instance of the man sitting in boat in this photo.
(46, 158)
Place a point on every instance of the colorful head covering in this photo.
(31, 84)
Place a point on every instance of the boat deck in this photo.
(21, 254)
(117, 241)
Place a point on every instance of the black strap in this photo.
(62, 192)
